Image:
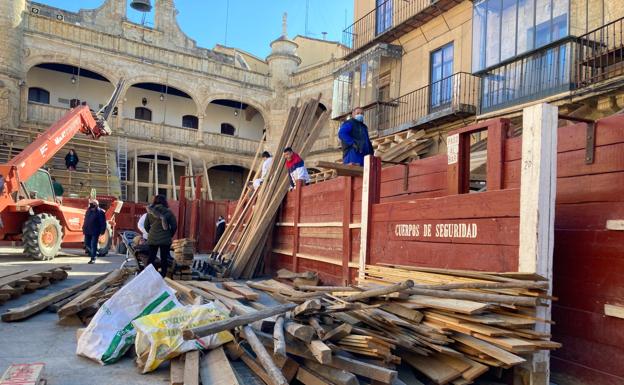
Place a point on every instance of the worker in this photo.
(58, 189)
(71, 160)
(161, 226)
(1, 184)
(94, 225)
(353, 135)
(141, 225)
(296, 168)
(266, 166)
(220, 229)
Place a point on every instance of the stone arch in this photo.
(261, 108)
(171, 82)
(101, 70)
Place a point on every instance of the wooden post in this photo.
(346, 229)
(155, 172)
(173, 182)
(136, 177)
(537, 217)
(190, 173)
(208, 189)
(370, 195)
(295, 250)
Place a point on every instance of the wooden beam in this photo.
(341, 169)
(191, 368)
(538, 184)
(379, 291)
(297, 215)
(277, 378)
(347, 201)
(615, 224)
(173, 180)
(37, 305)
(208, 188)
(176, 371)
(136, 177)
(372, 168)
(279, 348)
(231, 323)
(614, 310)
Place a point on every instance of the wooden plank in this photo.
(453, 305)
(335, 376)
(341, 169)
(337, 333)
(614, 310)
(432, 367)
(346, 229)
(215, 368)
(307, 377)
(241, 289)
(489, 349)
(176, 371)
(30, 272)
(320, 351)
(191, 368)
(278, 335)
(365, 216)
(77, 303)
(615, 224)
(212, 288)
(256, 368)
(38, 305)
(22, 374)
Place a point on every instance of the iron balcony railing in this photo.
(449, 98)
(390, 20)
(600, 54)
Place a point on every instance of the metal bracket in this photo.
(590, 136)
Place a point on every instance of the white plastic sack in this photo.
(110, 333)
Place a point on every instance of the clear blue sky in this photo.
(252, 24)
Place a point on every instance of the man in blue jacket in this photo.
(354, 139)
(94, 225)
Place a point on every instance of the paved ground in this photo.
(40, 339)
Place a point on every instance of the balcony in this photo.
(44, 113)
(532, 76)
(600, 54)
(391, 20)
(180, 136)
(451, 98)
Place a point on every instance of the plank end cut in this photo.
(23, 374)
(614, 310)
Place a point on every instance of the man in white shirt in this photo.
(141, 226)
(266, 166)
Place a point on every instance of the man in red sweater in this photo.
(296, 168)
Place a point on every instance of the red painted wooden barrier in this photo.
(588, 259)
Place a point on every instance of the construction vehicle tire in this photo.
(42, 236)
(105, 242)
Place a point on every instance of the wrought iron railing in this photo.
(600, 54)
(385, 18)
(455, 95)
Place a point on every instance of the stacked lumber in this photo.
(438, 326)
(19, 280)
(244, 242)
(24, 374)
(183, 254)
(403, 146)
(82, 306)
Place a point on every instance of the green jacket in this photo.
(58, 189)
(160, 225)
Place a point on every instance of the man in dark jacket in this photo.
(161, 226)
(353, 135)
(220, 229)
(71, 160)
(94, 225)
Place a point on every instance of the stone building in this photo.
(184, 109)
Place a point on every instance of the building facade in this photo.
(184, 110)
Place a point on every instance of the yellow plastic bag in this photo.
(159, 336)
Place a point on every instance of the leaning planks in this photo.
(300, 131)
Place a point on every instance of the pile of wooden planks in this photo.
(404, 146)
(16, 281)
(399, 325)
(244, 241)
(183, 254)
(82, 306)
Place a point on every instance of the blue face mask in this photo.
(359, 117)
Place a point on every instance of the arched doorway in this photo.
(234, 118)
(227, 181)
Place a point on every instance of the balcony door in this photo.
(441, 80)
(383, 20)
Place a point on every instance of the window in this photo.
(227, 129)
(503, 29)
(38, 95)
(441, 76)
(142, 113)
(190, 121)
(383, 21)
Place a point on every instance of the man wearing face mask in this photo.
(354, 139)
